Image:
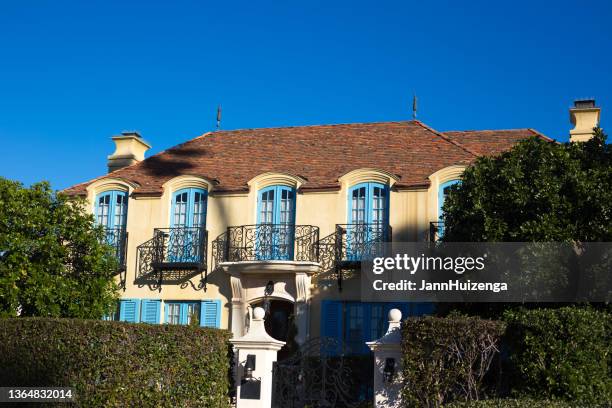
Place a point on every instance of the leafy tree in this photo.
(52, 259)
(538, 191)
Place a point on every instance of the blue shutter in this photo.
(130, 310)
(150, 311)
(210, 313)
(331, 326)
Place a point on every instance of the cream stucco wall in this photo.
(410, 212)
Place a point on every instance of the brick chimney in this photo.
(584, 116)
(130, 148)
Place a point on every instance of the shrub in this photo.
(561, 353)
(447, 359)
(116, 364)
(510, 403)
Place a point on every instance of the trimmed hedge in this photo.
(511, 403)
(448, 359)
(561, 353)
(116, 364)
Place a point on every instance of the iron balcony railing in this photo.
(173, 255)
(267, 242)
(436, 230)
(349, 244)
(356, 242)
(117, 238)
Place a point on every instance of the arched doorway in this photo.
(279, 323)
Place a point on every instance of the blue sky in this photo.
(72, 74)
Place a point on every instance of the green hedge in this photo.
(561, 353)
(115, 364)
(448, 359)
(511, 403)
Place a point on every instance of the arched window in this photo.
(189, 208)
(111, 209)
(188, 225)
(368, 217)
(442, 193)
(275, 223)
(111, 212)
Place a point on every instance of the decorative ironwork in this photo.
(310, 378)
(436, 230)
(117, 238)
(173, 256)
(341, 253)
(265, 242)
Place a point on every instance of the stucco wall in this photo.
(409, 215)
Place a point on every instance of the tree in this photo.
(53, 261)
(539, 191)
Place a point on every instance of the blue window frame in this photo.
(111, 209)
(129, 310)
(368, 217)
(275, 223)
(442, 193)
(207, 313)
(187, 221)
(350, 324)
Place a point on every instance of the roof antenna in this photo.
(414, 107)
(218, 117)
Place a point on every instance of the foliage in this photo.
(538, 191)
(116, 364)
(447, 359)
(510, 403)
(52, 261)
(561, 353)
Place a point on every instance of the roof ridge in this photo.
(398, 122)
(449, 140)
(485, 130)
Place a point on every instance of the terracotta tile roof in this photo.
(491, 142)
(320, 154)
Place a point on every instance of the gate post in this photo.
(388, 364)
(255, 355)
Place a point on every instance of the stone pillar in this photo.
(255, 354)
(388, 364)
(238, 316)
(301, 308)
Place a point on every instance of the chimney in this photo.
(584, 116)
(130, 148)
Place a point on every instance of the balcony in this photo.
(342, 251)
(267, 242)
(436, 230)
(117, 239)
(172, 256)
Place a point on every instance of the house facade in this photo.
(280, 218)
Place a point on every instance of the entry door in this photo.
(187, 225)
(275, 223)
(368, 217)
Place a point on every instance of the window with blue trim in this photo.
(442, 193)
(350, 324)
(188, 222)
(275, 223)
(205, 313)
(111, 213)
(368, 217)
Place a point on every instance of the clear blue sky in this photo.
(74, 73)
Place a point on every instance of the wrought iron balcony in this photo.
(436, 230)
(173, 255)
(350, 244)
(117, 239)
(267, 242)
